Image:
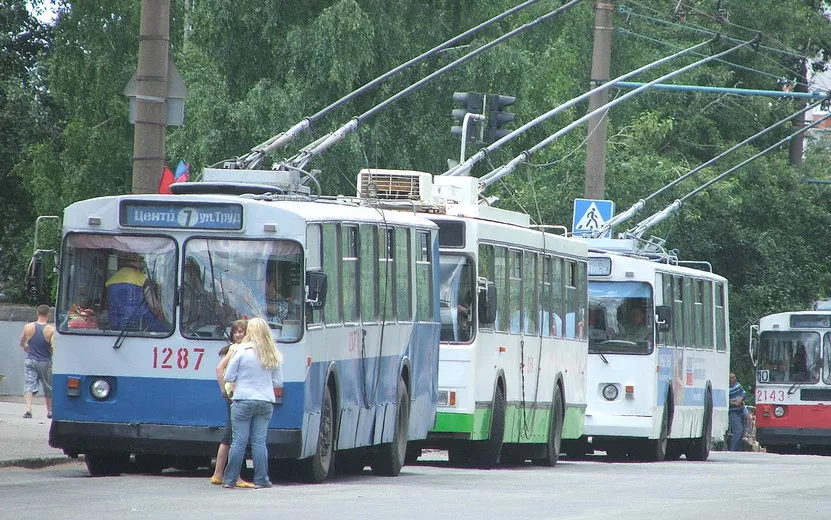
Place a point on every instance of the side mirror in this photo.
(663, 319)
(315, 289)
(487, 302)
(35, 277)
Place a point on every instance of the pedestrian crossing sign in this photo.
(590, 215)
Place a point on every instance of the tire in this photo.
(555, 431)
(699, 448)
(106, 463)
(486, 453)
(390, 457)
(316, 468)
(655, 450)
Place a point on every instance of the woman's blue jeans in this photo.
(249, 423)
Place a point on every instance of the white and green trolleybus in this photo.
(513, 349)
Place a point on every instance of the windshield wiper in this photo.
(120, 339)
(792, 390)
(603, 357)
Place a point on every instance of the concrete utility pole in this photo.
(797, 144)
(596, 144)
(151, 99)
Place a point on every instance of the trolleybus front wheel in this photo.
(390, 457)
(106, 463)
(655, 450)
(698, 449)
(555, 431)
(316, 468)
(486, 453)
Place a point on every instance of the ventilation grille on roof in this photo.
(394, 185)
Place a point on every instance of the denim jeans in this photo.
(249, 423)
(737, 425)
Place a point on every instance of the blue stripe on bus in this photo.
(187, 402)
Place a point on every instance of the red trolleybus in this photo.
(792, 354)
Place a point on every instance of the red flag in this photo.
(166, 181)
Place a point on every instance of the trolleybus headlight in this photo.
(778, 411)
(610, 392)
(100, 389)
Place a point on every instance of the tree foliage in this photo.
(253, 69)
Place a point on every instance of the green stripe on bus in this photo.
(453, 423)
(522, 425)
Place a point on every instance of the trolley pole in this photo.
(151, 98)
(596, 143)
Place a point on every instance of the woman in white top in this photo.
(255, 373)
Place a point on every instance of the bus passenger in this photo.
(238, 329)
(736, 415)
(256, 378)
(799, 366)
(200, 307)
(132, 302)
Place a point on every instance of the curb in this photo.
(36, 462)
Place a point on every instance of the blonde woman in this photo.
(255, 374)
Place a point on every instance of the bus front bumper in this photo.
(606, 425)
(75, 437)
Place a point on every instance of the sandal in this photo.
(244, 484)
(27, 415)
(216, 481)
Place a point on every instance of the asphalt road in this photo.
(734, 486)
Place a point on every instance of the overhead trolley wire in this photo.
(495, 175)
(674, 46)
(727, 22)
(653, 220)
(638, 206)
(709, 32)
(704, 30)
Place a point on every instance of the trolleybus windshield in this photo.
(789, 357)
(621, 319)
(456, 298)
(117, 284)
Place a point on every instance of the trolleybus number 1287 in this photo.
(164, 358)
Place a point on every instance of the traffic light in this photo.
(471, 102)
(497, 118)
